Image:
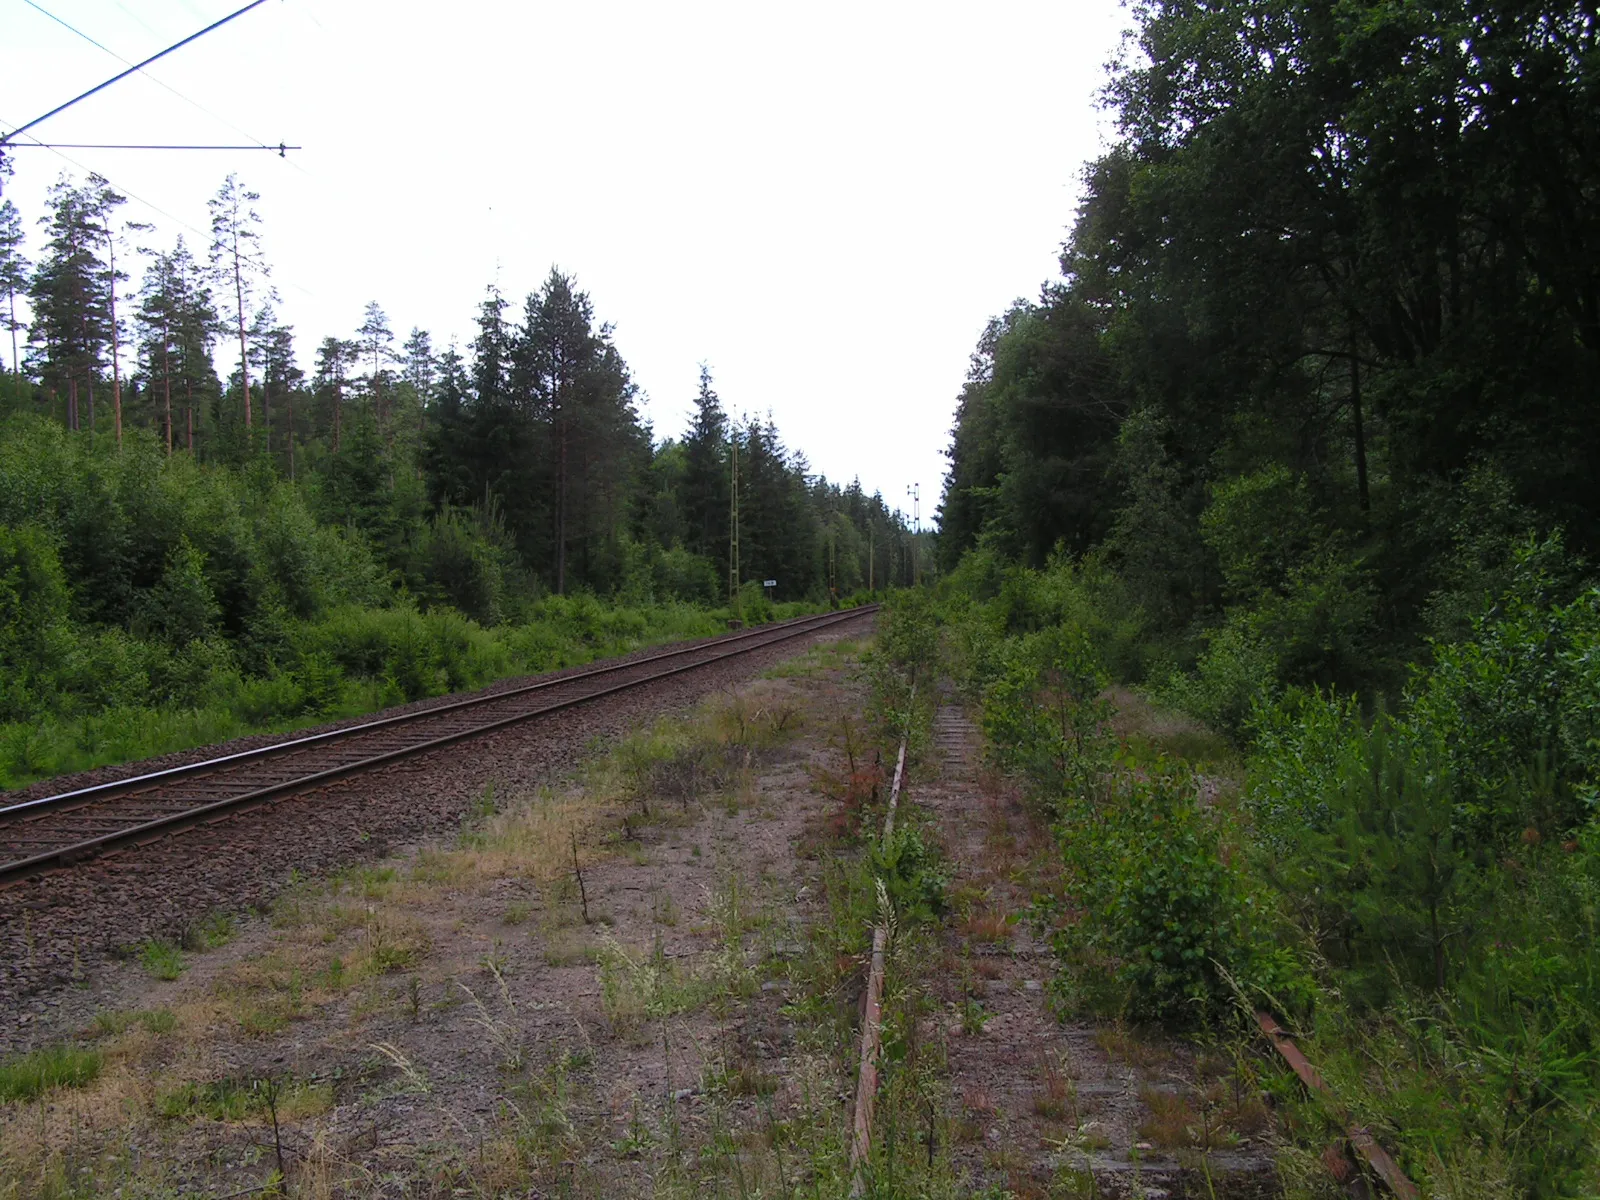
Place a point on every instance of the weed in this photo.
(1056, 1099)
(1172, 1122)
(161, 959)
(635, 989)
(974, 1020)
(517, 913)
(159, 1020)
(502, 1031)
(211, 932)
(32, 1074)
(236, 1100)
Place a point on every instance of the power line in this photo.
(279, 149)
(202, 233)
(6, 137)
(36, 144)
(193, 103)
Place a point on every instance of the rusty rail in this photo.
(872, 1018)
(1375, 1156)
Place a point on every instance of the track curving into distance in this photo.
(53, 832)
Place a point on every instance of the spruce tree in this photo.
(705, 474)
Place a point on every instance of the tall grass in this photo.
(33, 1074)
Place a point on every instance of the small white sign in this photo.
(769, 583)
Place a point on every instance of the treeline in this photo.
(1303, 442)
(1327, 338)
(184, 556)
(535, 429)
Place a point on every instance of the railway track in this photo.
(55, 832)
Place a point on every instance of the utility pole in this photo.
(733, 521)
(915, 492)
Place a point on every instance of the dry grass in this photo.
(332, 956)
(978, 1100)
(990, 926)
(1056, 1099)
(1120, 1042)
(1171, 1123)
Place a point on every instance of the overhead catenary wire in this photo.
(157, 209)
(5, 138)
(161, 83)
(279, 149)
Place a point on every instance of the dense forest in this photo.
(1304, 441)
(185, 555)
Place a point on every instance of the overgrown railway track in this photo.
(58, 831)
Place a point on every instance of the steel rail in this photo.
(1375, 1156)
(66, 856)
(115, 787)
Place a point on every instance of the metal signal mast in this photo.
(733, 522)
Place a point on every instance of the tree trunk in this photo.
(238, 295)
(116, 340)
(561, 510)
(166, 382)
(16, 363)
(1360, 431)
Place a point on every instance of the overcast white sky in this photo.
(825, 202)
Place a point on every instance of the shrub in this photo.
(1043, 714)
(1164, 913)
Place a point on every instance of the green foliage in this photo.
(1043, 714)
(1514, 706)
(162, 960)
(1433, 858)
(1165, 914)
(33, 619)
(30, 1075)
(913, 874)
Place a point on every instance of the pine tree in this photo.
(272, 351)
(13, 274)
(68, 297)
(157, 319)
(334, 358)
(375, 338)
(237, 265)
(420, 371)
(104, 201)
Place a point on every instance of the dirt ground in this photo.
(1052, 1107)
(647, 982)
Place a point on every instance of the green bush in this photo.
(1514, 705)
(1168, 921)
(1043, 715)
